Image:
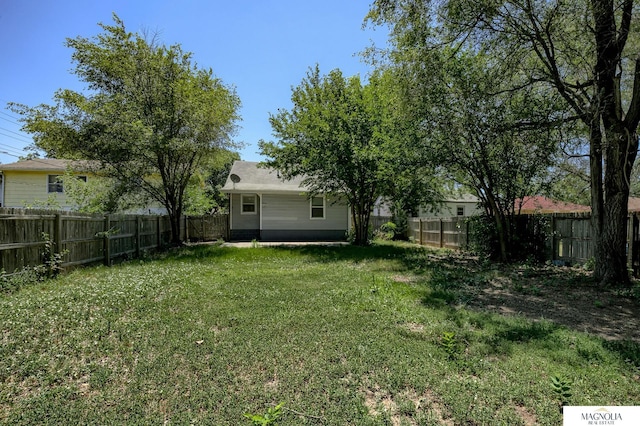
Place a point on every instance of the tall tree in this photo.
(341, 136)
(149, 116)
(482, 140)
(582, 50)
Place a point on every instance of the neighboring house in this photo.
(465, 205)
(264, 206)
(382, 208)
(37, 182)
(540, 204)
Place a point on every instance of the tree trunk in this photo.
(613, 244)
(501, 229)
(175, 230)
(611, 260)
(361, 225)
(597, 197)
(175, 213)
(616, 143)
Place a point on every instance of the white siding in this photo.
(293, 212)
(28, 188)
(244, 221)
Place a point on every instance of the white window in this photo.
(460, 211)
(317, 207)
(54, 183)
(248, 204)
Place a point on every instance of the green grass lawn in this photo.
(340, 335)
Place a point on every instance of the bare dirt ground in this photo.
(566, 296)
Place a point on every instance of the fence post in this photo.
(420, 231)
(107, 240)
(553, 237)
(57, 238)
(186, 228)
(466, 240)
(441, 234)
(159, 232)
(138, 235)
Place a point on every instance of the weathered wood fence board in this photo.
(378, 221)
(449, 233)
(21, 236)
(571, 237)
(207, 228)
(91, 238)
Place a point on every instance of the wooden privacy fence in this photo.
(377, 221)
(569, 235)
(92, 238)
(452, 233)
(206, 228)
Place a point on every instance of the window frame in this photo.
(459, 210)
(254, 204)
(323, 207)
(59, 184)
(54, 184)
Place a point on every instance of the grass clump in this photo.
(343, 335)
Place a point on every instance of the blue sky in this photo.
(261, 47)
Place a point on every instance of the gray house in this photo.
(264, 206)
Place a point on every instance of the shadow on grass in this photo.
(414, 258)
(454, 279)
(627, 350)
(351, 253)
(497, 335)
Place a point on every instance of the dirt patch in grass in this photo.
(566, 296)
(414, 327)
(403, 278)
(528, 418)
(404, 407)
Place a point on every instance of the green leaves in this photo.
(449, 342)
(269, 418)
(349, 139)
(150, 116)
(562, 388)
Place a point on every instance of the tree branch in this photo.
(625, 24)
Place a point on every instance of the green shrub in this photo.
(562, 388)
(386, 232)
(525, 240)
(483, 237)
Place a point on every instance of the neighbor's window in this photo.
(460, 211)
(317, 207)
(248, 204)
(54, 183)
